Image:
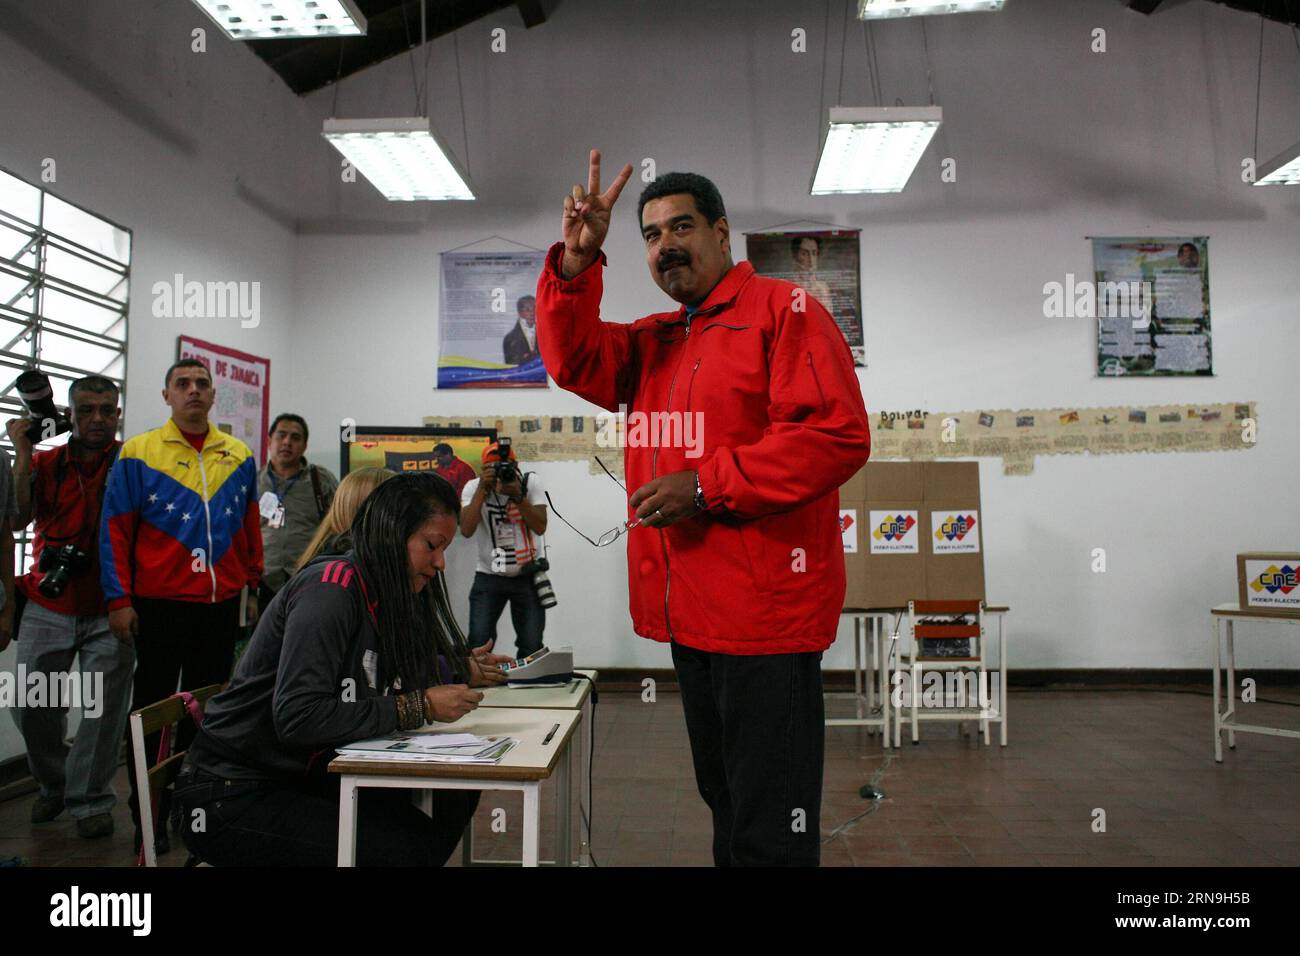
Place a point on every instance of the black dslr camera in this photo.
(34, 391)
(507, 470)
(59, 564)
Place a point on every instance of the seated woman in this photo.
(334, 534)
(352, 647)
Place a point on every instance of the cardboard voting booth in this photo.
(912, 531)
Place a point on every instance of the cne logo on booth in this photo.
(892, 528)
(1274, 579)
(846, 522)
(955, 528)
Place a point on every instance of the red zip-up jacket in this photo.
(783, 426)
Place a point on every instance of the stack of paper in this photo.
(432, 748)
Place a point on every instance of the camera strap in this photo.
(316, 490)
(62, 463)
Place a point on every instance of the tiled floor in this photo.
(1144, 758)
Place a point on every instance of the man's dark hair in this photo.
(797, 242)
(526, 298)
(707, 198)
(442, 448)
(92, 383)
(289, 417)
(183, 363)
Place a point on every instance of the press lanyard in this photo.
(275, 484)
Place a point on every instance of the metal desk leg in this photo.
(916, 699)
(564, 810)
(892, 652)
(857, 665)
(532, 830)
(868, 681)
(880, 680)
(584, 797)
(467, 844)
(1218, 669)
(1230, 689)
(347, 820)
(1002, 663)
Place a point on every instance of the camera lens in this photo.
(54, 583)
(545, 593)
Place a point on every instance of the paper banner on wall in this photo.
(1015, 436)
(243, 386)
(550, 437)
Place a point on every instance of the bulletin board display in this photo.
(243, 387)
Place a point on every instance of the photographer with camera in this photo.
(503, 512)
(66, 617)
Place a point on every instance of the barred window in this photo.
(64, 279)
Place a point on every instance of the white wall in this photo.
(1053, 143)
(164, 141)
(212, 160)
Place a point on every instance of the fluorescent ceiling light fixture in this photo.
(1281, 170)
(279, 19)
(400, 157)
(880, 9)
(873, 149)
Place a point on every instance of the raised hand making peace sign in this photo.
(586, 217)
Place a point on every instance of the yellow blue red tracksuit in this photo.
(180, 525)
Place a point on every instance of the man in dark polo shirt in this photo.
(293, 497)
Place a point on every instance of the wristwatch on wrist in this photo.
(700, 504)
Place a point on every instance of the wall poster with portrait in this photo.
(1152, 302)
(487, 323)
(826, 264)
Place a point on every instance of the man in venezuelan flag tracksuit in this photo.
(178, 542)
(737, 563)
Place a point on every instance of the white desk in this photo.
(867, 626)
(884, 650)
(576, 695)
(1225, 717)
(523, 769)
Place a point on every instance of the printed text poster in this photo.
(1173, 277)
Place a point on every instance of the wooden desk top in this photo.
(1233, 609)
(529, 760)
(568, 697)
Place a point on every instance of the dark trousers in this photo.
(757, 739)
(487, 598)
(182, 645)
(233, 823)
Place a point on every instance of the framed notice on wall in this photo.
(487, 325)
(1153, 305)
(825, 264)
(243, 385)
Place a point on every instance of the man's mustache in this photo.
(672, 259)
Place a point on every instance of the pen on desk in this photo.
(573, 685)
(550, 735)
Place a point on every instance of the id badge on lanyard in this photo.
(270, 508)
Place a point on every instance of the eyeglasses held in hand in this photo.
(610, 536)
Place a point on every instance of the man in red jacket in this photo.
(737, 562)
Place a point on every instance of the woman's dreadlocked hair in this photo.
(414, 629)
